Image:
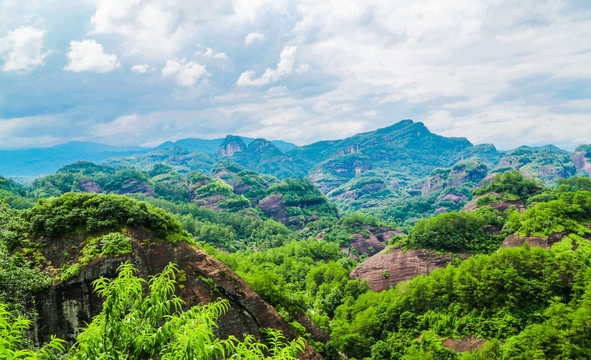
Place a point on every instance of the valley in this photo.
(392, 244)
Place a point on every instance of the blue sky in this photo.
(141, 72)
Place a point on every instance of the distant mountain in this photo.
(374, 171)
(211, 147)
(39, 161)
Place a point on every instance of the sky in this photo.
(141, 72)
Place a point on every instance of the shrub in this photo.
(116, 244)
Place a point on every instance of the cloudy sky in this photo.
(140, 72)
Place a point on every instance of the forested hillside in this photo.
(476, 263)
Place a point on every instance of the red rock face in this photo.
(274, 207)
(136, 187)
(66, 306)
(501, 205)
(581, 162)
(537, 241)
(393, 265)
(453, 197)
(372, 240)
(89, 186)
(468, 343)
(231, 148)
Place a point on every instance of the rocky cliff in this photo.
(581, 162)
(500, 205)
(393, 265)
(371, 240)
(537, 241)
(66, 306)
(231, 145)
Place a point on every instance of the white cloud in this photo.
(128, 124)
(185, 72)
(24, 49)
(142, 68)
(284, 67)
(511, 124)
(253, 37)
(155, 28)
(303, 68)
(30, 132)
(88, 55)
(212, 54)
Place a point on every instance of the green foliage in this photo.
(235, 203)
(574, 183)
(14, 194)
(298, 275)
(408, 211)
(358, 218)
(496, 296)
(215, 187)
(137, 326)
(463, 231)
(487, 199)
(93, 213)
(570, 212)
(19, 280)
(115, 243)
(86, 168)
(586, 148)
(302, 194)
(511, 182)
(70, 272)
(12, 331)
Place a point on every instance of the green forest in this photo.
(526, 299)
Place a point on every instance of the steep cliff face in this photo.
(393, 265)
(500, 205)
(66, 306)
(371, 240)
(537, 241)
(462, 173)
(88, 185)
(581, 162)
(231, 145)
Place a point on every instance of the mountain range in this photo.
(400, 173)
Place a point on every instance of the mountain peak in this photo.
(402, 125)
(230, 145)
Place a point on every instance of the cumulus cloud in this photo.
(23, 48)
(464, 67)
(212, 54)
(142, 68)
(284, 68)
(127, 124)
(88, 55)
(186, 73)
(155, 28)
(253, 37)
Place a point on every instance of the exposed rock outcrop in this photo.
(581, 162)
(538, 241)
(88, 185)
(468, 343)
(394, 264)
(314, 330)
(231, 145)
(136, 187)
(460, 174)
(66, 306)
(371, 240)
(500, 205)
(453, 197)
(274, 207)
